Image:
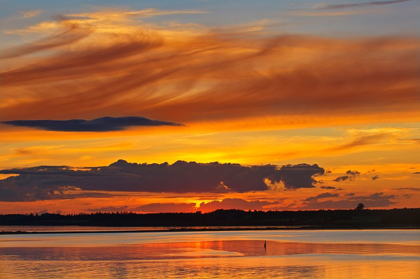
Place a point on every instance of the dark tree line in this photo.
(323, 218)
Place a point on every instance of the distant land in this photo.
(320, 219)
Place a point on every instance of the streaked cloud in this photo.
(165, 207)
(329, 188)
(122, 13)
(348, 202)
(104, 124)
(119, 67)
(359, 5)
(364, 137)
(316, 13)
(409, 189)
(261, 92)
(321, 196)
(31, 13)
(226, 204)
(109, 209)
(69, 35)
(233, 204)
(360, 141)
(350, 176)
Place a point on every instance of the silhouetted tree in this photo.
(360, 206)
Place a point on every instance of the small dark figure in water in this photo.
(265, 245)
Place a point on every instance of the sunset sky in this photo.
(178, 106)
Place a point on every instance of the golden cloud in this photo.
(110, 63)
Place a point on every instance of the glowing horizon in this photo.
(333, 85)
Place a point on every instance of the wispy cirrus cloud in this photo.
(360, 141)
(369, 137)
(112, 64)
(316, 13)
(408, 189)
(71, 34)
(340, 10)
(359, 5)
(31, 13)
(116, 14)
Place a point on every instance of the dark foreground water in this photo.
(230, 254)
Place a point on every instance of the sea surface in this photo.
(212, 254)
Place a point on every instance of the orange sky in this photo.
(241, 93)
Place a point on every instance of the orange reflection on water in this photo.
(206, 249)
(221, 259)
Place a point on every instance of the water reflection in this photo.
(133, 229)
(117, 238)
(118, 270)
(202, 249)
(240, 258)
(350, 266)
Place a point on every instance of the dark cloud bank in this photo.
(104, 124)
(51, 182)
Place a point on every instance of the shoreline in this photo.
(396, 227)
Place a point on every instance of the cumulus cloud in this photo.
(350, 176)
(299, 176)
(43, 182)
(350, 201)
(104, 124)
(359, 5)
(31, 188)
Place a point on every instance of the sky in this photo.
(184, 106)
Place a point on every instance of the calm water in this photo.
(95, 229)
(232, 254)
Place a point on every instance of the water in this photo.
(131, 229)
(225, 254)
